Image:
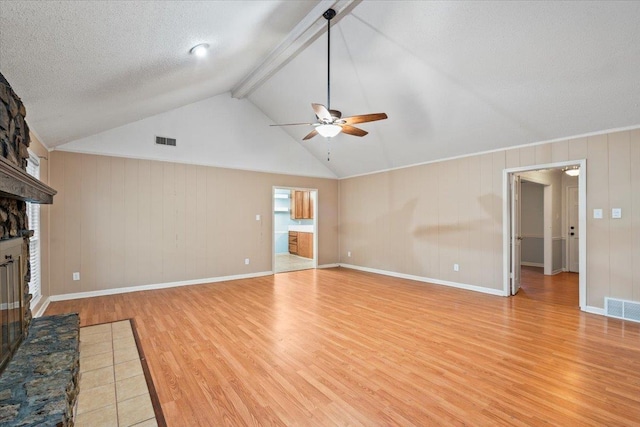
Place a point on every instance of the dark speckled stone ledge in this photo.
(39, 387)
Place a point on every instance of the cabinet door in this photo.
(305, 245)
(306, 205)
(297, 198)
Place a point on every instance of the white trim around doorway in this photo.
(582, 221)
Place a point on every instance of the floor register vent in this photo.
(627, 310)
(163, 140)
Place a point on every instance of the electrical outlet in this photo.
(76, 275)
(456, 267)
(258, 217)
(349, 254)
(246, 261)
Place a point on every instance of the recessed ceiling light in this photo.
(199, 50)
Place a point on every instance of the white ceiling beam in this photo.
(306, 32)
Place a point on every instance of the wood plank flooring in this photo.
(342, 347)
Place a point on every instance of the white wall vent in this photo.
(163, 140)
(627, 310)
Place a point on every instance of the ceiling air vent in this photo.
(163, 140)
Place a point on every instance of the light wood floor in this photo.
(341, 347)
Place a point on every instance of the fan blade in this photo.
(352, 130)
(363, 118)
(310, 135)
(293, 124)
(322, 112)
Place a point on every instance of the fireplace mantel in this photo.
(17, 184)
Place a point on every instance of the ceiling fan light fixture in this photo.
(572, 170)
(329, 130)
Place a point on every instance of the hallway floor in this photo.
(561, 289)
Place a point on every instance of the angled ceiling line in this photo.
(303, 34)
(364, 93)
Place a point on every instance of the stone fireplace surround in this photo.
(16, 186)
(40, 385)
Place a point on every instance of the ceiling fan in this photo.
(330, 122)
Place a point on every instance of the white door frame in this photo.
(273, 223)
(547, 220)
(582, 223)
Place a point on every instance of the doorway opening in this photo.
(545, 228)
(295, 213)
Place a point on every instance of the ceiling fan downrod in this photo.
(329, 14)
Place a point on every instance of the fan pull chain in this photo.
(328, 149)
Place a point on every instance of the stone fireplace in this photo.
(16, 188)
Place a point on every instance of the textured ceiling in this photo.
(454, 77)
(82, 67)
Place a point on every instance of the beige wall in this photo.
(423, 219)
(37, 147)
(126, 222)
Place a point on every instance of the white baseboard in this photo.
(115, 291)
(328, 266)
(531, 264)
(43, 308)
(554, 272)
(482, 289)
(594, 310)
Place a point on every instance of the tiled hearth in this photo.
(113, 389)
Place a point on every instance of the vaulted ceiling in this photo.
(454, 77)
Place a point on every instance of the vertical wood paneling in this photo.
(498, 165)
(103, 223)
(116, 224)
(578, 149)
(447, 218)
(156, 223)
(512, 158)
(464, 219)
(212, 228)
(190, 225)
(543, 153)
(477, 219)
(598, 249)
(88, 223)
(143, 232)
(634, 157)
(57, 219)
(200, 225)
(560, 151)
(486, 231)
(131, 239)
(72, 261)
(527, 156)
(620, 273)
(139, 222)
(169, 218)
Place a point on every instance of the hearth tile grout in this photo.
(110, 414)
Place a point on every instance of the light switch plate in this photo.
(616, 213)
(597, 213)
(258, 217)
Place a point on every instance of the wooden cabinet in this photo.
(301, 244)
(301, 205)
(305, 245)
(293, 242)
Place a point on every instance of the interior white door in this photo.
(573, 232)
(516, 238)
